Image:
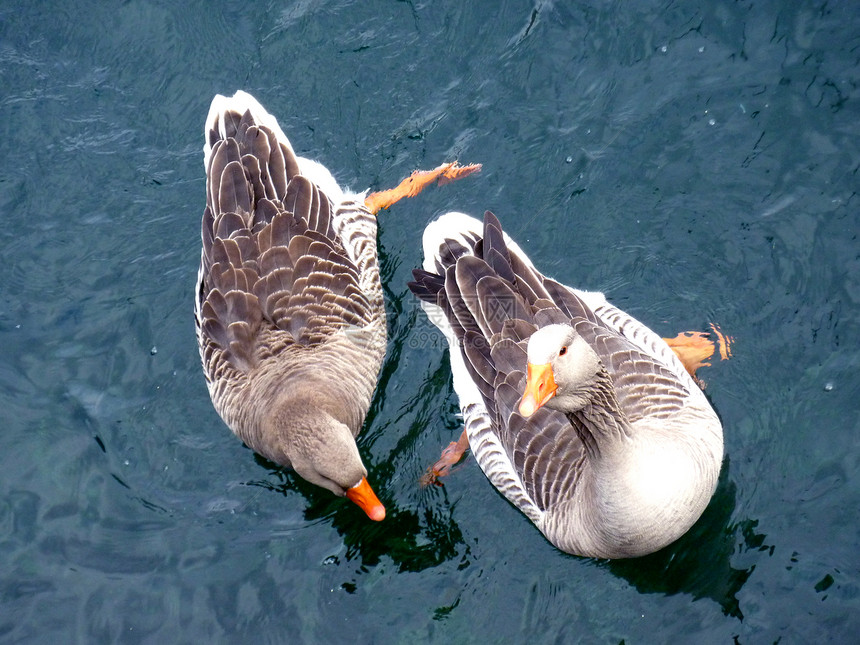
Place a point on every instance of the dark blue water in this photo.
(697, 163)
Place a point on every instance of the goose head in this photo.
(322, 451)
(562, 367)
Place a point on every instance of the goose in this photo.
(581, 416)
(289, 310)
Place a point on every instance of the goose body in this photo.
(288, 306)
(608, 446)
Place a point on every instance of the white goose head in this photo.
(562, 368)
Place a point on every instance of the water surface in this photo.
(697, 163)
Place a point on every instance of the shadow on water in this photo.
(413, 541)
(699, 562)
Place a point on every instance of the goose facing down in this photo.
(289, 308)
(579, 414)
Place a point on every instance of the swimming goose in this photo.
(289, 308)
(582, 417)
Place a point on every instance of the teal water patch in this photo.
(698, 164)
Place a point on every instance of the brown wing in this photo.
(271, 258)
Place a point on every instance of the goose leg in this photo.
(417, 182)
(694, 348)
(451, 456)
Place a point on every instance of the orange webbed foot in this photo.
(450, 457)
(694, 348)
(418, 181)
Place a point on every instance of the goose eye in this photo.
(562, 351)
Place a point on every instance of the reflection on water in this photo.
(698, 564)
(413, 541)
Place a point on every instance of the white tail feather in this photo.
(242, 102)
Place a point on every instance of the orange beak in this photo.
(363, 495)
(540, 388)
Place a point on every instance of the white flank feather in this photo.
(483, 441)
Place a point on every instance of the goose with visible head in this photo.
(580, 415)
(289, 309)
